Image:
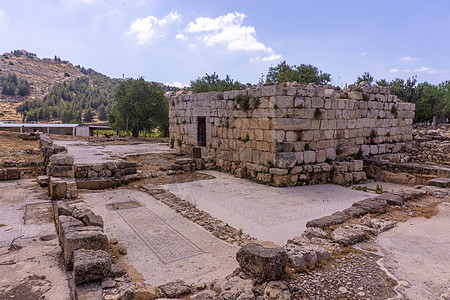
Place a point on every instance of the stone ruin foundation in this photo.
(291, 135)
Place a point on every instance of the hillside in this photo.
(58, 90)
(42, 74)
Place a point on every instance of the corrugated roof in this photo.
(38, 125)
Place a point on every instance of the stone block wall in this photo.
(271, 128)
(117, 168)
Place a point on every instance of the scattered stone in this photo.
(276, 290)
(122, 249)
(205, 295)
(42, 180)
(314, 232)
(174, 289)
(265, 260)
(116, 271)
(234, 288)
(90, 265)
(108, 283)
(114, 241)
(347, 235)
(343, 290)
(63, 208)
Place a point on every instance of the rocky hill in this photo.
(55, 78)
(42, 74)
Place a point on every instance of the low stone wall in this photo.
(64, 176)
(116, 168)
(407, 173)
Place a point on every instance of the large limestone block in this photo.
(12, 173)
(284, 160)
(61, 171)
(90, 265)
(264, 260)
(62, 159)
(74, 240)
(309, 157)
(291, 124)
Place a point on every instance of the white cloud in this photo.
(422, 69)
(363, 54)
(228, 30)
(145, 29)
(3, 20)
(176, 84)
(409, 58)
(396, 70)
(181, 36)
(426, 69)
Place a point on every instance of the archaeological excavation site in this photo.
(274, 192)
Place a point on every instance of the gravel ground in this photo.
(352, 276)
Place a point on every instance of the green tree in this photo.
(8, 88)
(212, 83)
(364, 77)
(102, 115)
(23, 88)
(88, 115)
(303, 74)
(139, 105)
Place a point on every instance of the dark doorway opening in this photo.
(201, 131)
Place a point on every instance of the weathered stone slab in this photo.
(372, 205)
(90, 265)
(354, 212)
(265, 260)
(62, 159)
(335, 219)
(61, 171)
(439, 182)
(391, 199)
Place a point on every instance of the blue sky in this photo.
(178, 41)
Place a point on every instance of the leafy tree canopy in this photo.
(431, 100)
(140, 106)
(212, 83)
(303, 74)
(364, 77)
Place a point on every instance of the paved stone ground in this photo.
(267, 213)
(162, 245)
(29, 266)
(417, 253)
(85, 152)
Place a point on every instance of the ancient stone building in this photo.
(294, 134)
